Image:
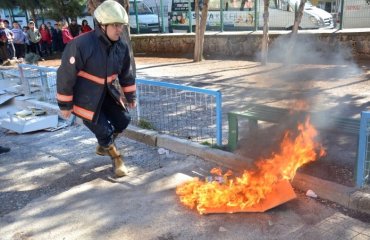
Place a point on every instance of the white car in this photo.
(148, 21)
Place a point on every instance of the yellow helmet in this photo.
(109, 12)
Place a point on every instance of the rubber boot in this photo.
(119, 167)
(102, 151)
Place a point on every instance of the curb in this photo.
(349, 197)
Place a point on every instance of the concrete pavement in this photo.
(53, 186)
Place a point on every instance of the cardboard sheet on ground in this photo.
(29, 124)
(6, 97)
(282, 192)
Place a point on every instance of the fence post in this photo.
(219, 118)
(256, 15)
(222, 14)
(362, 150)
(137, 18)
(162, 16)
(138, 99)
(190, 17)
(44, 84)
(25, 83)
(341, 14)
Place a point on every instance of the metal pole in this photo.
(137, 18)
(341, 14)
(362, 149)
(190, 17)
(25, 84)
(222, 14)
(138, 108)
(256, 17)
(219, 118)
(162, 15)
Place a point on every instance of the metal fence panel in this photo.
(183, 111)
(187, 112)
(356, 14)
(39, 81)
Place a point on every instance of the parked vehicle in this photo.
(241, 15)
(148, 22)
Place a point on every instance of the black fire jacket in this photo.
(90, 65)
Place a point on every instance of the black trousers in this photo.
(19, 50)
(112, 119)
(35, 48)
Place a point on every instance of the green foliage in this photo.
(53, 9)
(145, 124)
(7, 3)
(63, 9)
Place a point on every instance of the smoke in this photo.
(312, 70)
(306, 49)
(308, 70)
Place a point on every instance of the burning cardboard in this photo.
(256, 190)
(281, 193)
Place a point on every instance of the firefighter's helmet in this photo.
(109, 12)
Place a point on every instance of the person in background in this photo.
(45, 41)
(3, 43)
(51, 29)
(54, 36)
(26, 40)
(85, 26)
(59, 46)
(66, 34)
(19, 40)
(85, 80)
(6, 23)
(10, 45)
(34, 38)
(74, 28)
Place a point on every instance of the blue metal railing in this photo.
(190, 109)
(215, 93)
(36, 79)
(363, 157)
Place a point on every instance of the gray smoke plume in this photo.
(319, 73)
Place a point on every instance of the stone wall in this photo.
(248, 44)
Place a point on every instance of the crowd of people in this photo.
(16, 41)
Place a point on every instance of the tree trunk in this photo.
(33, 14)
(298, 17)
(197, 54)
(93, 4)
(202, 28)
(11, 14)
(265, 38)
(293, 37)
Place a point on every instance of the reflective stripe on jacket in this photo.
(90, 65)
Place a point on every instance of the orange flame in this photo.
(253, 186)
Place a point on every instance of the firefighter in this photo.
(90, 65)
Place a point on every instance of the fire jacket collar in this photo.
(102, 36)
